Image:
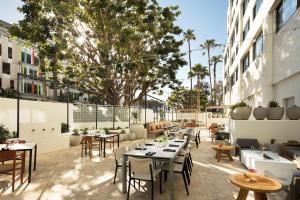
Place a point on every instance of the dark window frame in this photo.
(280, 6)
(246, 29)
(246, 61)
(6, 64)
(12, 84)
(9, 52)
(245, 6)
(260, 36)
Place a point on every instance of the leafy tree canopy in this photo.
(117, 48)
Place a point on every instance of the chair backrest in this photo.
(119, 153)
(8, 155)
(87, 140)
(140, 166)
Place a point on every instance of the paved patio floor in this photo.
(65, 175)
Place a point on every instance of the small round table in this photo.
(260, 186)
(223, 151)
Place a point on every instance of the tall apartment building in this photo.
(262, 55)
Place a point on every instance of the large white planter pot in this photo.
(139, 130)
(241, 113)
(122, 137)
(132, 136)
(275, 113)
(293, 113)
(260, 113)
(75, 140)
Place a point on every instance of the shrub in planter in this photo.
(274, 111)
(4, 134)
(75, 138)
(85, 131)
(64, 128)
(260, 113)
(240, 111)
(106, 131)
(293, 113)
(122, 135)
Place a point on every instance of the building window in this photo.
(12, 84)
(237, 74)
(258, 46)
(0, 83)
(284, 11)
(232, 80)
(0, 49)
(256, 7)
(245, 5)
(23, 56)
(28, 58)
(237, 26)
(9, 53)
(246, 29)
(5, 68)
(246, 62)
(36, 61)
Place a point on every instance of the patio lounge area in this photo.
(64, 174)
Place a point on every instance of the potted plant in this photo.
(275, 112)
(136, 130)
(106, 131)
(122, 135)
(260, 113)
(75, 138)
(85, 131)
(293, 113)
(240, 111)
(4, 134)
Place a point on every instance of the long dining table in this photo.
(160, 155)
(25, 147)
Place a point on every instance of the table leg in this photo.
(118, 140)
(219, 155)
(260, 196)
(30, 166)
(242, 194)
(104, 147)
(34, 161)
(124, 174)
(113, 143)
(229, 155)
(171, 180)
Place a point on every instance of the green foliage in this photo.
(8, 93)
(112, 47)
(85, 131)
(4, 133)
(273, 104)
(162, 138)
(135, 115)
(106, 131)
(118, 128)
(183, 98)
(237, 105)
(76, 132)
(122, 131)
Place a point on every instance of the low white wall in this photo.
(217, 120)
(100, 125)
(46, 135)
(264, 130)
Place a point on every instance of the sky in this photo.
(206, 17)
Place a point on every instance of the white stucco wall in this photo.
(264, 130)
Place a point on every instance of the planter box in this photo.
(75, 140)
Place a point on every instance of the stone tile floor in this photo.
(65, 175)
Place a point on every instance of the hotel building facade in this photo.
(262, 54)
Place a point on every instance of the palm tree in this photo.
(189, 35)
(208, 45)
(200, 72)
(215, 60)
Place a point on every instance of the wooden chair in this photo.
(88, 144)
(20, 156)
(10, 168)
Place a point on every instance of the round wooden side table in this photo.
(259, 184)
(223, 151)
